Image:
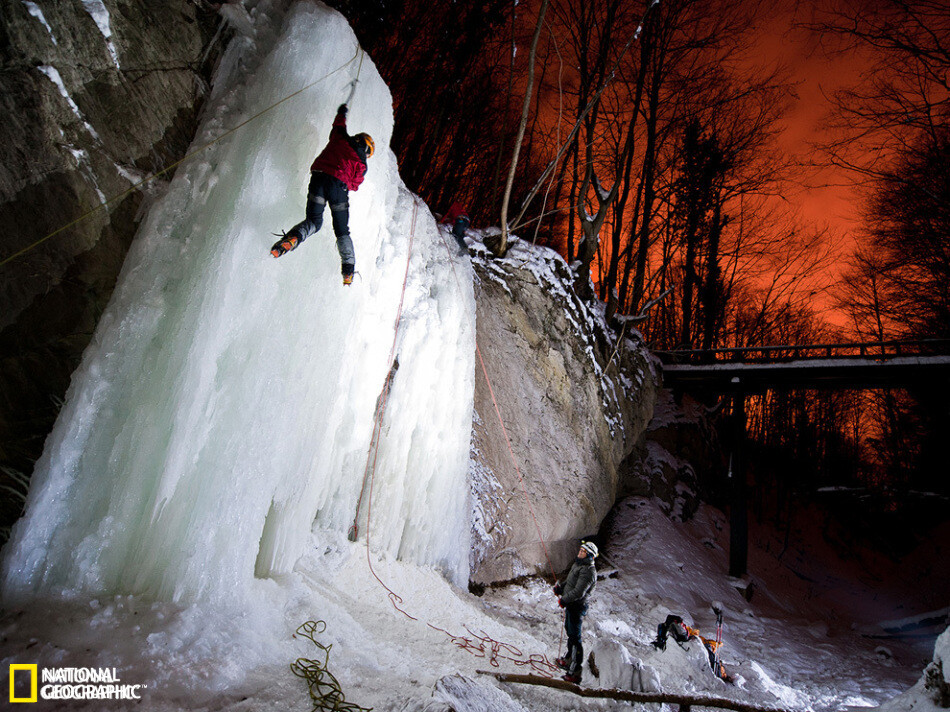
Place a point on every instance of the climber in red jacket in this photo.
(338, 169)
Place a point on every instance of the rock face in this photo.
(97, 95)
(679, 458)
(574, 401)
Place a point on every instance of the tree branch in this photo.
(630, 696)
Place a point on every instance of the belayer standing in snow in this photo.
(573, 593)
(338, 169)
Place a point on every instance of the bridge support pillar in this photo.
(738, 514)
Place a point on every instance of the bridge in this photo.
(738, 372)
(756, 369)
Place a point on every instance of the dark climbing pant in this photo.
(573, 620)
(460, 226)
(325, 189)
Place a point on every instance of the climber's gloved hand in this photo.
(342, 110)
(560, 602)
(558, 589)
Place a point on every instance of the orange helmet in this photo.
(368, 142)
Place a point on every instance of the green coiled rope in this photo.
(325, 691)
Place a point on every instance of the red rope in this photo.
(387, 385)
(511, 453)
(394, 597)
(481, 645)
(484, 646)
(501, 422)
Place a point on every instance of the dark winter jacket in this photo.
(344, 157)
(579, 582)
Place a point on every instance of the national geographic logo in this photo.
(68, 684)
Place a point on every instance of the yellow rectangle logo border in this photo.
(14, 667)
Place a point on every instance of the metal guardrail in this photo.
(878, 350)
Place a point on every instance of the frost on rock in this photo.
(37, 12)
(53, 75)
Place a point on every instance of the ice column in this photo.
(225, 406)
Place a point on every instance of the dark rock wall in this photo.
(86, 117)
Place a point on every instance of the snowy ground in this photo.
(793, 646)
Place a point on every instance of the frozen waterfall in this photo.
(225, 406)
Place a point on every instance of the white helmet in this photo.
(590, 548)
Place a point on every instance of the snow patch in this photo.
(100, 15)
(37, 12)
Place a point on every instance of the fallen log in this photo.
(685, 701)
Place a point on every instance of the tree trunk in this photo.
(630, 696)
(503, 247)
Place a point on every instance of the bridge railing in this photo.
(877, 350)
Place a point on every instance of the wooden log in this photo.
(685, 701)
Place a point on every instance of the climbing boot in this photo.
(347, 279)
(576, 679)
(284, 245)
(563, 663)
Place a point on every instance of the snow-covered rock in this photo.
(574, 399)
(932, 691)
(678, 456)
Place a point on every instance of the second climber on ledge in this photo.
(338, 169)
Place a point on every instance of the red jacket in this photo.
(455, 211)
(340, 158)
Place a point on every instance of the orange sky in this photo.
(824, 199)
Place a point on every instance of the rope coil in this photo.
(325, 691)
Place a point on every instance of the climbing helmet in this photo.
(368, 142)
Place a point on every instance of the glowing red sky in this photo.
(824, 197)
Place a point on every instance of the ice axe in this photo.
(717, 609)
(353, 84)
(349, 98)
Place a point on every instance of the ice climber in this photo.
(574, 592)
(338, 169)
(457, 219)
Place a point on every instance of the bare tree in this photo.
(503, 246)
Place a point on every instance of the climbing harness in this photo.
(120, 196)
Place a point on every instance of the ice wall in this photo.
(225, 406)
